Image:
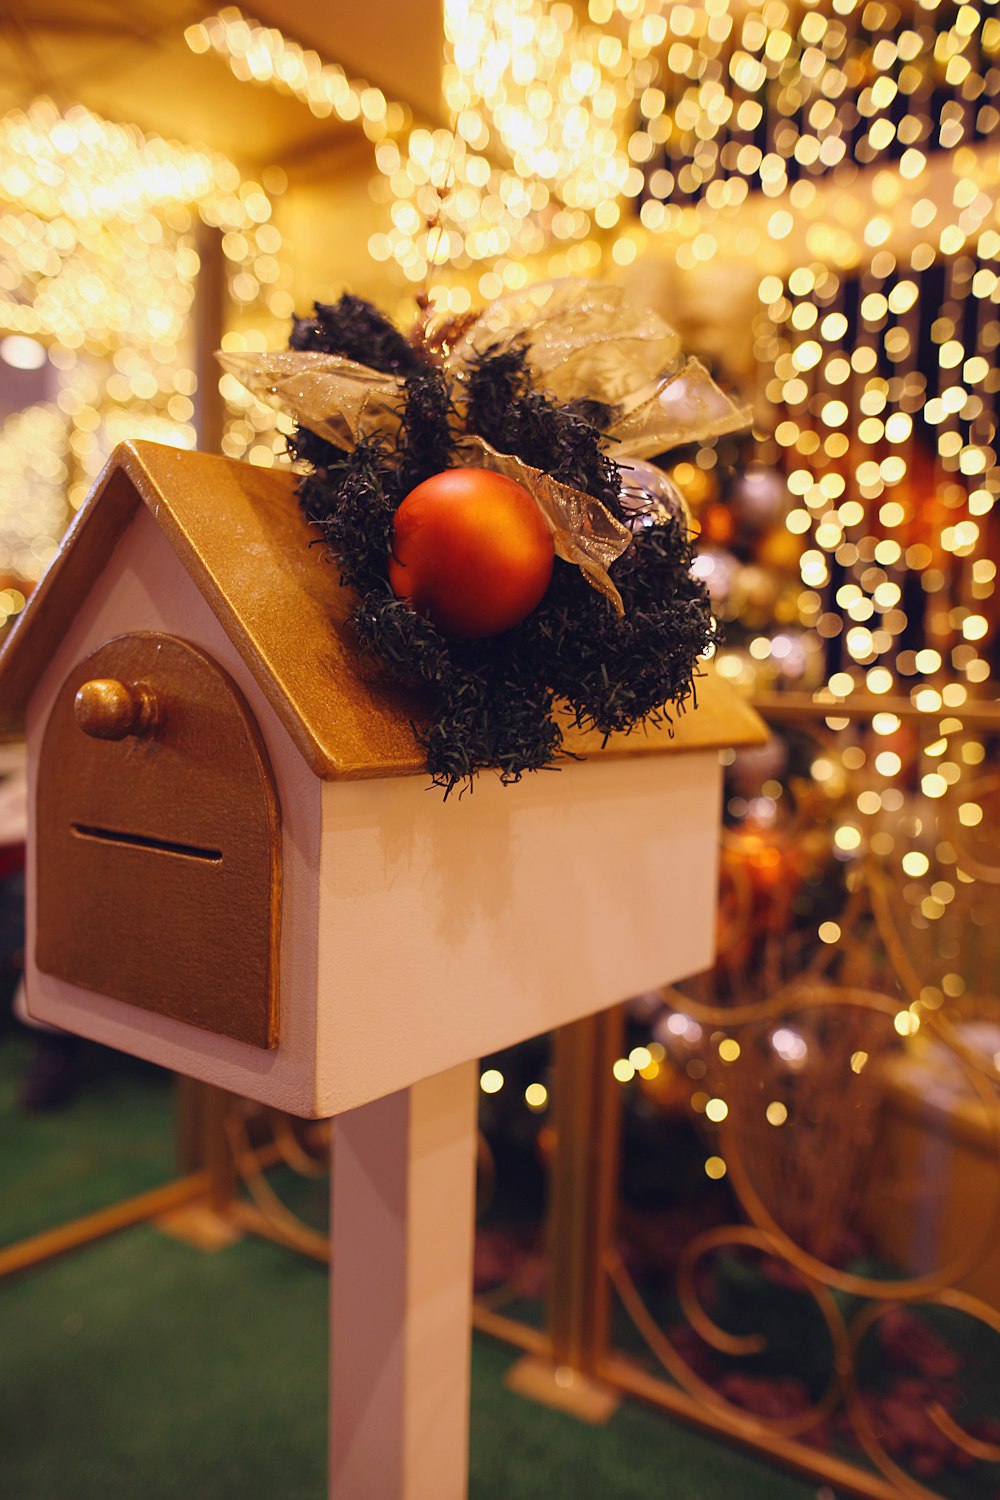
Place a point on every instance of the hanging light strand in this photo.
(99, 259)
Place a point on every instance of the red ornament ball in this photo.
(471, 551)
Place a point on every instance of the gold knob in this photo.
(110, 710)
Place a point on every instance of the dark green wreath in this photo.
(492, 700)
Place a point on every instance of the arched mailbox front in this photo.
(159, 847)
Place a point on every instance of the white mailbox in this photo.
(237, 870)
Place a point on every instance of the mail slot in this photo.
(158, 840)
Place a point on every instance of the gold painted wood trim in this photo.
(158, 862)
(37, 632)
(239, 532)
(30, 1252)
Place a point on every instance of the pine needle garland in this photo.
(492, 700)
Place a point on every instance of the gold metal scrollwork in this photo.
(809, 1266)
(823, 1282)
(727, 1343)
(976, 1448)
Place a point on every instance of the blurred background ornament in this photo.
(760, 495)
(717, 570)
(718, 524)
(649, 496)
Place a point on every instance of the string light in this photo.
(261, 54)
(562, 123)
(34, 471)
(920, 450)
(773, 95)
(539, 148)
(99, 260)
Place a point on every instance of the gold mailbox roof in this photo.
(239, 532)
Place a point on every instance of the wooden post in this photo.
(587, 1116)
(209, 318)
(584, 1178)
(401, 1243)
(203, 1145)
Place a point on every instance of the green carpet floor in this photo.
(141, 1369)
(116, 1139)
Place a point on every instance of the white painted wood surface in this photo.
(450, 932)
(144, 587)
(415, 938)
(402, 1221)
(414, 935)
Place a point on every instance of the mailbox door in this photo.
(158, 840)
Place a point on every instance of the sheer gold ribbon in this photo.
(583, 341)
(586, 341)
(339, 399)
(584, 531)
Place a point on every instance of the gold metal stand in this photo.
(894, 997)
(587, 1112)
(203, 1207)
(217, 1130)
(38, 1248)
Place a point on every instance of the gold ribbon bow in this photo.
(583, 341)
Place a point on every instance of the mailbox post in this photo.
(402, 1211)
(186, 628)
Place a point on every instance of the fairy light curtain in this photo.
(99, 263)
(779, 93)
(882, 389)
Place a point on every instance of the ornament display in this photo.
(751, 767)
(700, 487)
(588, 612)
(718, 524)
(472, 551)
(790, 654)
(717, 570)
(649, 497)
(753, 596)
(760, 494)
(779, 551)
